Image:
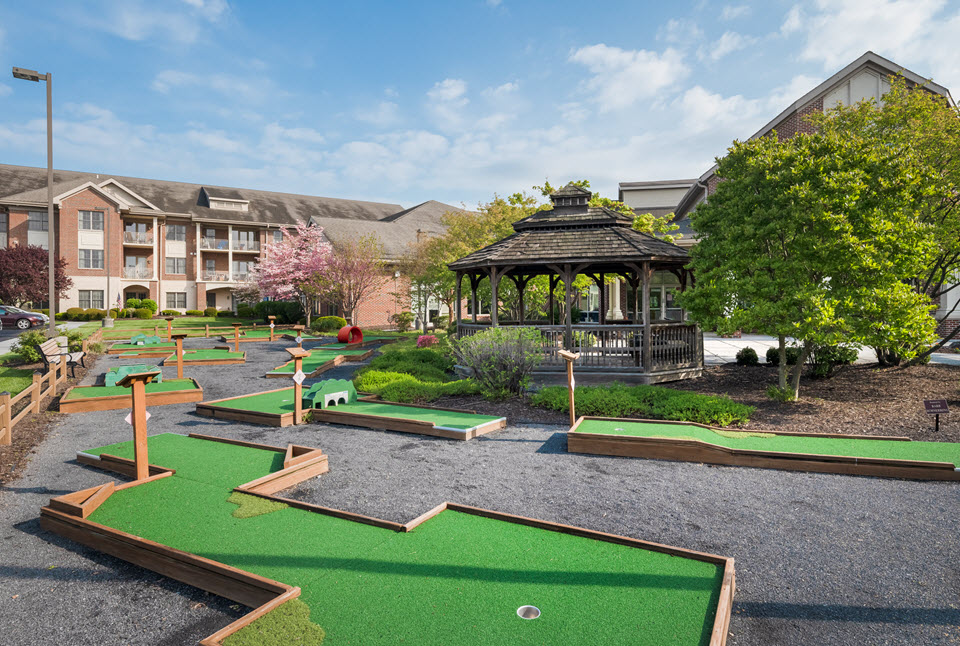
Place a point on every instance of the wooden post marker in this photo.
(138, 418)
(236, 337)
(179, 337)
(169, 320)
(570, 357)
(299, 330)
(298, 377)
(272, 320)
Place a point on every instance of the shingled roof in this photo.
(573, 234)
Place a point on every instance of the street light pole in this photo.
(31, 75)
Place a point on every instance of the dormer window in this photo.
(229, 205)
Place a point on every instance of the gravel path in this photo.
(821, 559)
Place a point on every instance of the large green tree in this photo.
(918, 133)
(810, 238)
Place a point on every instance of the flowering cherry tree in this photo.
(354, 269)
(293, 269)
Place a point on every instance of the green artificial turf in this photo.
(288, 624)
(448, 419)
(455, 579)
(207, 354)
(83, 392)
(249, 506)
(134, 346)
(860, 448)
(313, 362)
(277, 401)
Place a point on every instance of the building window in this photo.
(210, 264)
(278, 236)
(37, 221)
(91, 298)
(177, 300)
(91, 259)
(241, 269)
(176, 265)
(177, 232)
(4, 223)
(91, 220)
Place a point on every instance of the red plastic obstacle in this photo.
(350, 334)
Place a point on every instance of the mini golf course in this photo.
(260, 334)
(276, 408)
(368, 340)
(149, 349)
(115, 374)
(824, 453)
(455, 575)
(81, 399)
(207, 357)
(319, 363)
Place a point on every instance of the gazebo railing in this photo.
(673, 346)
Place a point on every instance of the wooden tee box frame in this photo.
(114, 402)
(330, 364)
(67, 516)
(203, 362)
(693, 450)
(220, 409)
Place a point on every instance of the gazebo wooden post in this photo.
(179, 337)
(568, 299)
(458, 299)
(474, 283)
(551, 285)
(494, 284)
(645, 351)
(601, 285)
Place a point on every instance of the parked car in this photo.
(14, 317)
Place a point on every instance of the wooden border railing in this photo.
(120, 333)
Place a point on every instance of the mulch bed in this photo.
(858, 400)
(33, 428)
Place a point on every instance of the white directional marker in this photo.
(129, 418)
(299, 377)
(271, 325)
(299, 339)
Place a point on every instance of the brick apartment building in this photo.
(188, 245)
(865, 78)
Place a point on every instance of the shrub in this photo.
(195, 313)
(793, 355)
(129, 313)
(170, 313)
(143, 313)
(403, 320)
(424, 364)
(407, 389)
(132, 303)
(61, 316)
(287, 312)
(225, 314)
(327, 323)
(115, 313)
(502, 359)
(94, 314)
(245, 311)
(653, 402)
(76, 314)
(211, 312)
(583, 339)
(149, 304)
(748, 357)
(27, 345)
(426, 340)
(826, 358)
(779, 394)
(95, 348)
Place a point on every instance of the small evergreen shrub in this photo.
(502, 359)
(403, 320)
(94, 314)
(27, 345)
(748, 357)
(793, 355)
(326, 324)
(143, 313)
(827, 358)
(287, 312)
(210, 312)
(76, 314)
(150, 304)
(225, 314)
(115, 313)
(132, 303)
(245, 311)
(61, 316)
(195, 313)
(170, 313)
(779, 394)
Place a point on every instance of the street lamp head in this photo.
(28, 75)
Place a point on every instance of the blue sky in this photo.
(453, 101)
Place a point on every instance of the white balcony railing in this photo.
(137, 237)
(217, 244)
(246, 245)
(241, 278)
(136, 272)
(219, 276)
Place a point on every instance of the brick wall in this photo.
(947, 326)
(376, 309)
(69, 222)
(797, 121)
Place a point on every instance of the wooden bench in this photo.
(51, 352)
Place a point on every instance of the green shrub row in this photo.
(287, 312)
(407, 389)
(651, 402)
(145, 303)
(323, 324)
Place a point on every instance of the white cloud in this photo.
(622, 77)
(494, 3)
(732, 12)
(502, 90)
(574, 112)
(704, 110)
(5, 89)
(210, 9)
(385, 114)
(447, 100)
(919, 34)
(793, 21)
(138, 20)
(679, 32)
(448, 90)
(728, 43)
(215, 140)
(252, 89)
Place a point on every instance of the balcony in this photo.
(138, 238)
(246, 245)
(241, 278)
(214, 244)
(217, 276)
(137, 272)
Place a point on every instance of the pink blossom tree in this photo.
(293, 269)
(353, 270)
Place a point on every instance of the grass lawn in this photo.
(14, 380)
(455, 579)
(759, 441)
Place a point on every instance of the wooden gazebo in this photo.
(574, 239)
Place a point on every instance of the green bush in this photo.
(170, 313)
(245, 311)
(287, 312)
(403, 320)
(132, 303)
(502, 359)
(115, 313)
(779, 394)
(225, 314)
(195, 313)
(425, 364)
(327, 323)
(94, 314)
(128, 313)
(43, 311)
(76, 314)
(793, 355)
(149, 304)
(650, 402)
(583, 339)
(27, 345)
(143, 313)
(748, 357)
(210, 312)
(827, 358)
(407, 389)
(61, 316)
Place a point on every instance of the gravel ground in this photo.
(821, 559)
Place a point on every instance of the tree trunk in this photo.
(782, 366)
(798, 369)
(888, 357)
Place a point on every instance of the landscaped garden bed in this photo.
(822, 453)
(454, 575)
(80, 399)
